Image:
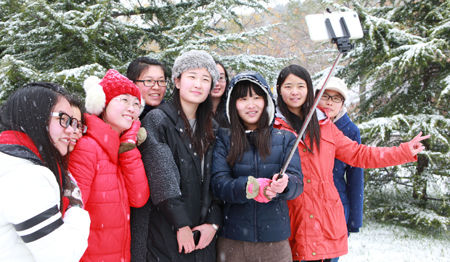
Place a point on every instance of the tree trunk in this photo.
(362, 89)
(419, 182)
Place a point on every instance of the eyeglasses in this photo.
(127, 102)
(222, 79)
(65, 120)
(150, 83)
(335, 99)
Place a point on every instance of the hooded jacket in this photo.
(246, 219)
(181, 194)
(31, 225)
(146, 109)
(319, 229)
(109, 182)
(349, 180)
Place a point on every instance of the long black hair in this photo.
(203, 135)
(294, 120)
(260, 137)
(219, 115)
(28, 111)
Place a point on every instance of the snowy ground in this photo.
(379, 242)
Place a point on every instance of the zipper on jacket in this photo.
(256, 203)
(121, 185)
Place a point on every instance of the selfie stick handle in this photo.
(343, 45)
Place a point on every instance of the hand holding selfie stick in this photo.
(343, 45)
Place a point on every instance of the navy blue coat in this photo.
(349, 181)
(246, 219)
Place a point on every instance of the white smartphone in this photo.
(318, 31)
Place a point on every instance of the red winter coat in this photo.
(110, 183)
(318, 227)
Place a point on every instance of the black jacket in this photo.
(146, 109)
(180, 196)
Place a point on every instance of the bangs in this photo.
(244, 88)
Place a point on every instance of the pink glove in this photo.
(130, 136)
(256, 189)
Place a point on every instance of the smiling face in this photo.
(294, 91)
(155, 94)
(119, 116)
(59, 135)
(77, 134)
(331, 107)
(194, 86)
(219, 89)
(250, 108)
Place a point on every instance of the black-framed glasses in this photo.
(128, 102)
(150, 83)
(222, 79)
(335, 99)
(65, 120)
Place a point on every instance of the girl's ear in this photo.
(177, 82)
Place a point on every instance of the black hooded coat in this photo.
(179, 194)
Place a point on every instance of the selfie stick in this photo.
(343, 45)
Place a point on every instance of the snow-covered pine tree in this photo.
(67, 40)
(76, 38)
(199, 27)
(402, 65)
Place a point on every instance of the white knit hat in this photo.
(335, 84)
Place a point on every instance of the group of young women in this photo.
(201, 184)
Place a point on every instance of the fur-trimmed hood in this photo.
(255, 78)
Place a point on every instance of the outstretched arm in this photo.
(350, 152)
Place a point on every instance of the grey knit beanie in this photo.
(192, 60)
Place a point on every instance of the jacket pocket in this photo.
(334, 225)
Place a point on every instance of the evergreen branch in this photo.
(156, 9)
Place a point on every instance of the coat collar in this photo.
(340, 114)
(104, 135)
(342, 121)
(170, 110)
(322, 117)
(19, 144)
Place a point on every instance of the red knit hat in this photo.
(100, 92)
